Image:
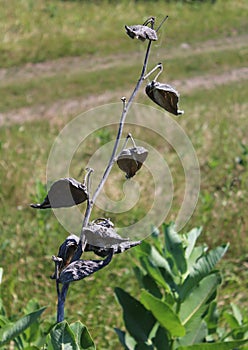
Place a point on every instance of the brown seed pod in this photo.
(65, 192)
(130, 160)
(66, 253)
(102, 236)
(165, 96)
(141, 32)
(80, 269)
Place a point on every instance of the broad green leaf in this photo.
(127, 341)
(174, 247)
(62, 337)
(195, 255)
(191, 238)
(150, 285)
(198, 297)
(144, 346)
(201, 269)
(212, 317)
(230, 345)
(161, 340)
(154, 272)
(11, 331)
(196, 332)
(231, 320)
(163, 313)
(237, 313)
(148, 250)
(82, 336)
(134, 314)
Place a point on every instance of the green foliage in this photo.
(74, 336)
(25, 332)
(179, 284)
(29, 333)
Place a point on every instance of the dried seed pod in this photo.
(66, 252)
(80, 269)
(130, 160)
(101, 236)
(141, 32)
(117, 248)
(165, 96)
(65, 192)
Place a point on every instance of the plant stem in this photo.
(91, 202)
(61, 302)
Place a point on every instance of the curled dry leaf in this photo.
(130, 160)
(141, 32)
(165, 96)
(80, 269)
(65, 192)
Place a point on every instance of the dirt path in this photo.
(75, 64)
(64, 108)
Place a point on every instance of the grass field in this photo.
(60, 58)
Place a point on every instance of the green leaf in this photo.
(154, 272)
(201, 269)
(62, 337)
(82, 336)
(230, 345)
(134, 314)
(11, 331)
(191, 238)
(198, 297)
(163, 313)
(125, 339)
(174, 246)
(237, 313)
(150, 285)
(161, 340)
(196, 332)
(231, 320)
(195, 255)
(212, 317)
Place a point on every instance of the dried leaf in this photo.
(80, 269)
(165, 96)
(141, 32)
(65, 192)
(131, 159)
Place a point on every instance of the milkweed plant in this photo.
(168, 316)
(99, 235)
